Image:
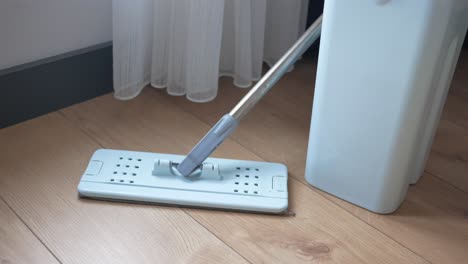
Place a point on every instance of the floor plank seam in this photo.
(444, 181)
(462, 127)
(182, 209)
(311, 188)
(79, 128)
(224, 242)
(30, 230)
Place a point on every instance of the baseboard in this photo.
(43, 86)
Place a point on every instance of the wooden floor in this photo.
(43, 221)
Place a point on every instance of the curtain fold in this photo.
(185, 45)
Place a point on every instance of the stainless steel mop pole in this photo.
(228, 123)
(277, 71)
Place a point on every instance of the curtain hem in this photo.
(164, 86)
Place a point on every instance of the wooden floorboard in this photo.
(41, 163)
(17, 243)
(321, 231)
(448, 159)
(456, 109)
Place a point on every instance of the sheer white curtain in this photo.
(185, 45)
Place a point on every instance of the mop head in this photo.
(152, 178)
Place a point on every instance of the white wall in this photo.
(35, 29)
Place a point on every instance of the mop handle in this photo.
(228, 123)
(277, 71)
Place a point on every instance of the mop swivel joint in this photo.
(225, 126)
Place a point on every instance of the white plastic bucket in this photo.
(383, 74)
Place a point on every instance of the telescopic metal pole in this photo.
(277, 71)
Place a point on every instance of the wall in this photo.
(35, 29)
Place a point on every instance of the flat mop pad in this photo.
(219, 183)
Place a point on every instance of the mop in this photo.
(196, 180)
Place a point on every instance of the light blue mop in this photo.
(196, 180)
